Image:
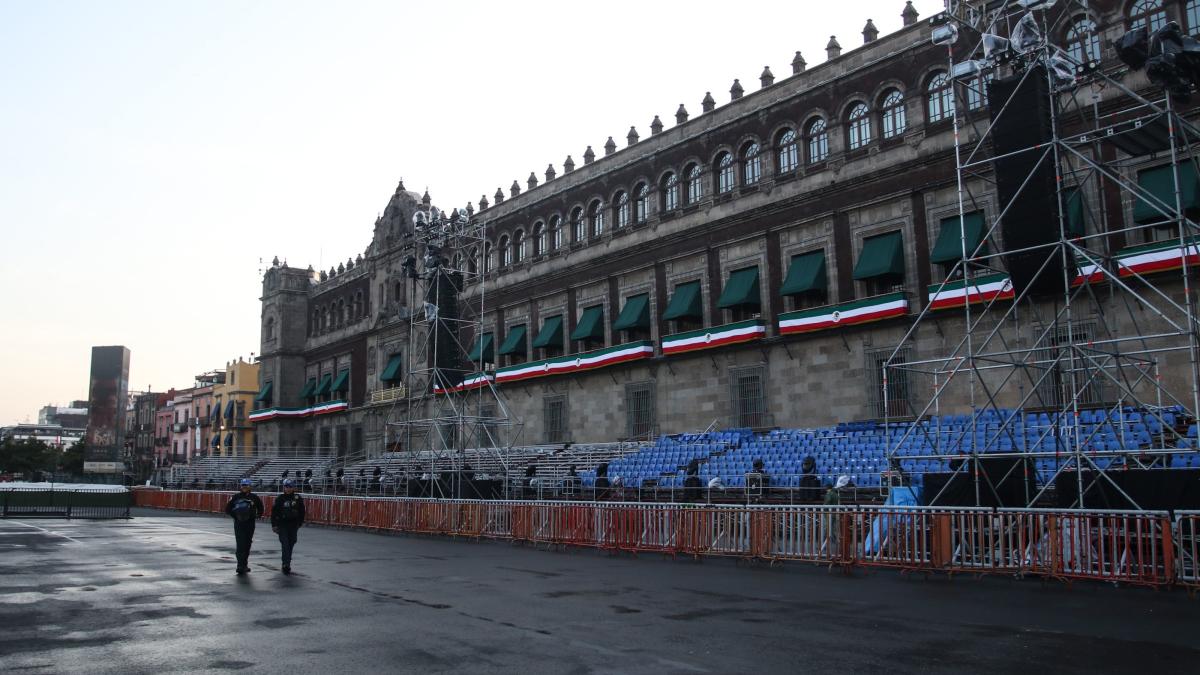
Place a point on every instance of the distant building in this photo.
(231, 433)
(50, 434)
(72, 416)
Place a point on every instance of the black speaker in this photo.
(1004, 481)
(1025, 180)
(1159, 489)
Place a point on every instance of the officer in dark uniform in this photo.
(287, 515)
(244, 507)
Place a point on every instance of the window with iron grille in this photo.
(748, 396)
(1065, 369)
(555, 419)
(639, 409)
(896, 402)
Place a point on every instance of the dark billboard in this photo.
(107, 392)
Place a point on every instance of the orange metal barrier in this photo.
(1187, 542)
(1134, 547)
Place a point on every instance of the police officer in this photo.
(287, 515)
(244, 507)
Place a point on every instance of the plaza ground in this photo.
(158, 594)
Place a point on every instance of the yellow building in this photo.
(234, 399)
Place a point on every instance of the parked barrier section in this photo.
(1132, 547)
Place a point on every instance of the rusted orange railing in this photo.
(1132, 547)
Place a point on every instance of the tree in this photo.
(26, 456)
(71, 460)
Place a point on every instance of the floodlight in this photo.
(945, 34)
(1026, 35)
(993, 45)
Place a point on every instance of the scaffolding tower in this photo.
(452, 411)
(1102, 373)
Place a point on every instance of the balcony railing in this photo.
(179, 427)
(387, 395)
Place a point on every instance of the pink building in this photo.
(182, 444)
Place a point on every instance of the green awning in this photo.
(514, 342)
(882, 255)
(741, 289)
(482, 351)
(309, 388)
(323, 388)
(684, 303)
(948, 249)
(591, 324)
(806, 273)
(635, 313)
(342, 383)
(1160, 183)
(264, 394)
(391, 372)
(551, 333)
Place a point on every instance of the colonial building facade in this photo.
(750, 266)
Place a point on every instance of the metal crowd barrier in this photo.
(76, 503)
(1130, 547)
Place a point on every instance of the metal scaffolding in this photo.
(452, 411)
(1105, 339)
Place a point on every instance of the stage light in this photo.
(1062, 72)
(965, 69)
(1032, 5)
(1026, 35)
(1133, 48)
(994, 45)
(945, 34)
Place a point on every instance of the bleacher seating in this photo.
(219, 473)
(868, 452)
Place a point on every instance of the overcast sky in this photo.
(151, 153)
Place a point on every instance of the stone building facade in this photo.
(750, 266)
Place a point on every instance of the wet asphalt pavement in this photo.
(158, 593)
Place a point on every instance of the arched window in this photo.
(340, 317)
(940, 98)
(724, 166)
(818, 141)
(596, 216)
(621, 210)
(977, 91)
(270, 331)
(1083, 45)
(505, 252)
(695, 186)
(487, 257)
(556, 234)
(519, 246)
(539, 238)
(893, 115)
(670, 192)
(751, 164)
(786, 147)
(858, 129)
(316, 321)
(1191, 13)
(641, 205)
(578, 227)
(473, 261)
(1147, 14)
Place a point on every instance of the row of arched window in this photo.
(808, 145)
(337, 313)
